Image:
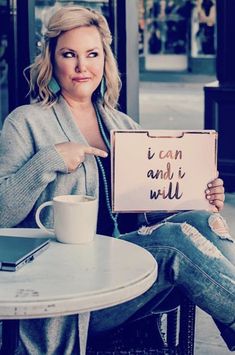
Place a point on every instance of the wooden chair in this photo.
(169, 330)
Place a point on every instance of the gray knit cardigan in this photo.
(32, 171)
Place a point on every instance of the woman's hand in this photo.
(215, 194)
(202, 16)
(74, 154)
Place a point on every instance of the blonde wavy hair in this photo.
(41, 71)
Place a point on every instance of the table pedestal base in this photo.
(10, 334)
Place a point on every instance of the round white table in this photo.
(75, 279)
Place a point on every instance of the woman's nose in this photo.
(80, 65)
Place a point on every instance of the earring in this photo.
(103, 87)
(54, 86)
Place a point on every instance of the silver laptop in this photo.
(18, 251)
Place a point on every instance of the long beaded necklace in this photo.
(113, 216)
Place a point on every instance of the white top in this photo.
(69, 279)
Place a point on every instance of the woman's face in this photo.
(79, 62)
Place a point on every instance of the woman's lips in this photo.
(81, 80)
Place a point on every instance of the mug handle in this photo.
(37, 217)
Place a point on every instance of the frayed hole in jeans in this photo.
(147, 230)
(219, 226)
(204, 245)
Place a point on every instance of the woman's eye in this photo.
(93, 54)
(68, 55)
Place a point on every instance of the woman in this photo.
(60, 146)
(206, 33)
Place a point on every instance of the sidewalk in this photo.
(179, 104)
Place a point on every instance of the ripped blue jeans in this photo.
(195, 252)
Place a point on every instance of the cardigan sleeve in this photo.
(24, 172)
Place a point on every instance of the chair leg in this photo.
(10, 337)
(187, 327)
(172, 317)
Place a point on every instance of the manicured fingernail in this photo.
(207, 191)
(209, 185)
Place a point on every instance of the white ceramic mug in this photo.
(75, 218)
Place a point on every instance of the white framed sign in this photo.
(162, 169)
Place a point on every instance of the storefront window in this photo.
(166, 33)
(172, 31)
(168, 25)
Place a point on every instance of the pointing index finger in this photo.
(96, 152)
